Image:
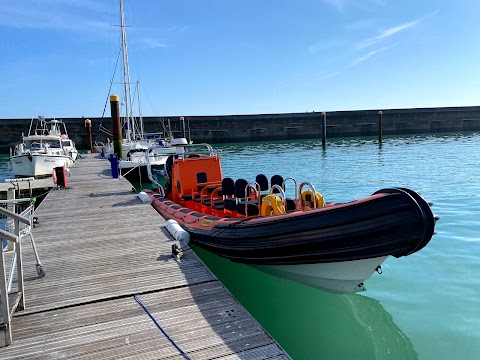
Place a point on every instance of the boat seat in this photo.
(252, 208)
(262, 181)
(206, 189)
(291, 205)
(241, 186)
(188, 197)
(216, 199)
(216, 203)
(197, 191)
(228, 190)
(219, 206)
(277, 180)
(201, 178)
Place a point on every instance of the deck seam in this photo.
(146, 292)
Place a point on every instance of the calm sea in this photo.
(424, 306)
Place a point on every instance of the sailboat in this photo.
(136, 143)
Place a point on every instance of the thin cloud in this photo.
(369, 55)
(177, 28)
(325, 45)
(337, 4)
(359, 60)
(72, 15)
(332, 74)
(153, 44)
(341, 5)
(392, 31)
(360, 25)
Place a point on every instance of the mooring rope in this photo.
(161, 329)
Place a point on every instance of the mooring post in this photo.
(324, 129)
(117, 127)
(182, 126)
(380, 114)
(88, 125)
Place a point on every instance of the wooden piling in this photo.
(324, 129)
(117, 126)
(182, 126)
(380, 115)
(88, 125)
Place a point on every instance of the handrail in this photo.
(14, 235)
(314, 194)
(282, 193)
(15, 216)
(256, 190)
(295, 182)
(208, 185)
(5, 235)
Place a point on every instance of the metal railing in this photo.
(17, 220)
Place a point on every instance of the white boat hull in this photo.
(37, 165)
(336, 277)
(139, 161)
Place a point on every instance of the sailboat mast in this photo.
(140, 109)
(126, 79)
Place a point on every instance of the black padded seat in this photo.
(219, 207)
(291, 206)
(201, 178)
(228, 191)
(252, 208)
(207, 201)
(276, 180)
(262, 181)
(240, 186)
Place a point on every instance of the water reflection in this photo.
(310, 323)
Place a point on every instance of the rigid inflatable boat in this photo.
(331, 246)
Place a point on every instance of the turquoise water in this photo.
(424, 306)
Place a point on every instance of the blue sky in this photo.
(215, 57)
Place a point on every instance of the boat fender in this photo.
(144, 197)
(9, 165)
(320, 200)
(272, 205)
(177, 232)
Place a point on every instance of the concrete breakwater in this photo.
(308, 125)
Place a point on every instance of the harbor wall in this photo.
(261, 127)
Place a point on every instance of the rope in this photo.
(229, 226)
(161, 329)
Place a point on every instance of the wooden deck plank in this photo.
(101, 246)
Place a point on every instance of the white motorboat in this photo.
(69, 147)
(42, 150)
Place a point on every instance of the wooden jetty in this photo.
(102, 250)
(27, 187)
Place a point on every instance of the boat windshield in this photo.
(66, 143)
(36, 146)
(54, 144)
